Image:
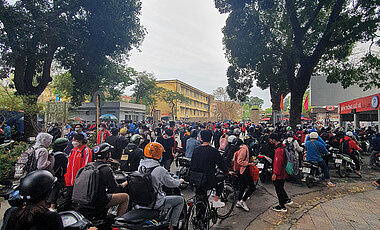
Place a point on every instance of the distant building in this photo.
(199, 103)
(122, 110)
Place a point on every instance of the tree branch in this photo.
(312, 18)
(297, 31)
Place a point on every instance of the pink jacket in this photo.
(242, 158)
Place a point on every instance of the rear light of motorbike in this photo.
(115, 229)
(190, 204)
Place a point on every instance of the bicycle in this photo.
(201, 212)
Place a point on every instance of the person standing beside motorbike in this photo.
(314, 151)
(192, 143)
(348, 146)
(161, 177)
(375, 145)
(168, 142)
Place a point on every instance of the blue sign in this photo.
(374, 102)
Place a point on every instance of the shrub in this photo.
(8, 159)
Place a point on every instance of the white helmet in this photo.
(232, 139)
(313, 135)
(349, 133)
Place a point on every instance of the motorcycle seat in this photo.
(138, 215)
(310, 163)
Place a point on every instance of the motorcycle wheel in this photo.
(342, 171)
(263, 177)
(182, 223)
(309, 182)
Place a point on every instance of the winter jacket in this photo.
(191, 144)
(78, 158)
(44, 159)
(375, 142)
(160, 177)
(296, 146)
(351, 143)
(313, 153)
(242, 158)
(101, 138)
(279, 162)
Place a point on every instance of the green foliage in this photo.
(8, 159)
(172, 98)
(63, 85)
(145, 90)
(255, 102)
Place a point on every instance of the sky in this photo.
(184, 42)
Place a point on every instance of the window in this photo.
(182, 90)
(194, 111)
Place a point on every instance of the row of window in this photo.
(193, 112)
(191, 93)
(197, 104)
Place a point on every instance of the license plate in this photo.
(260, 165)
(334, 154)
(124, 157)
(306, 170)
(338, 161)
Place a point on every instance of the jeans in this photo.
(372, 158)
(280, 191)
(325, 170)
(245, 181)
(176, 203)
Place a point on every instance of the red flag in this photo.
(282, 102)
(306, 103)
(140, 101)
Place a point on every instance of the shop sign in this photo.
(360, 105)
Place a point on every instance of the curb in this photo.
(303, 204)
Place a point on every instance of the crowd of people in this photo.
(228, 146)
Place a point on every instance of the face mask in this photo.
(77, 130)
(75, 144)
(101, 128)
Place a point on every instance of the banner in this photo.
(282, 102)
(306, 103)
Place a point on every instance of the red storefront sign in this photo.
(361, 104)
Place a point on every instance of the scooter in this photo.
(183, 165)
(265, 166)
(312, 173)
(345, 164)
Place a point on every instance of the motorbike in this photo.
(312, 173)
(183, 165)
(265, 166)
(344, 164)
(377, 160)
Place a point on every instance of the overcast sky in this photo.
(184, 42)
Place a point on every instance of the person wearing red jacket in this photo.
(279, 174)
(80, 155)
(351, 147)
(102, 134)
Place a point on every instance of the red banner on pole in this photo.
(282, 102)
(306, 104)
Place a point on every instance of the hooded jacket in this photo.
(44, 160)
(351, 143)
(160, 177)
(78, 158)
(279, 162)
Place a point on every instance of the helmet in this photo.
(232, 139)
(349, 133)
(123, 131)
(154, 150)
(135, 139)
(61, 142)
(236, 131)
(288, 128)
(101, 151)
(37, 185)
(290, 133)
(271, 129)
(193, 133)
(313, 135)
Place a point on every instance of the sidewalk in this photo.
(347, 206)
(359, 211)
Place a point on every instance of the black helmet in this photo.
(101, 151)
(193, 133)
(135, 139)
(37, 185)
(290, 133)
(61, 142)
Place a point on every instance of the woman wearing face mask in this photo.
(80, 155)
(103, 134)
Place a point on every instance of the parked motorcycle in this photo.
(265, 166)
(345, 164)
(183, 165)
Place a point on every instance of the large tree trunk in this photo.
(275, 94)
(30, 115)
(296, 107)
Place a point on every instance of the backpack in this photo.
(292, 164)
(130, 159)
(60, 164)
(140, 186)
(344, 147)
(86, 184)
(223, 143)
(26, 163)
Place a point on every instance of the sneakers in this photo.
(218, 204)
(243, 205)
(278, 208)
(289, 202)
(330, 184)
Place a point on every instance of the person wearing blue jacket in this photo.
(314, 151)
(375, 144)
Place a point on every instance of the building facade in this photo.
(199, 103)
(122, 110)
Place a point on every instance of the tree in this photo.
(225, 108)
(82, 36)
(145, 90)
(255, 101)
(220, 94)
(172, 98)
(317, 33)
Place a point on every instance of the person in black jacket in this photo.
(204, 160)
(130, 160)
(114, 140)
(109, 193)
(217, 135)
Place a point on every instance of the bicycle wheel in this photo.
(198, 217)
(229, 197)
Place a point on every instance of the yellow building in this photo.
(198, 104)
